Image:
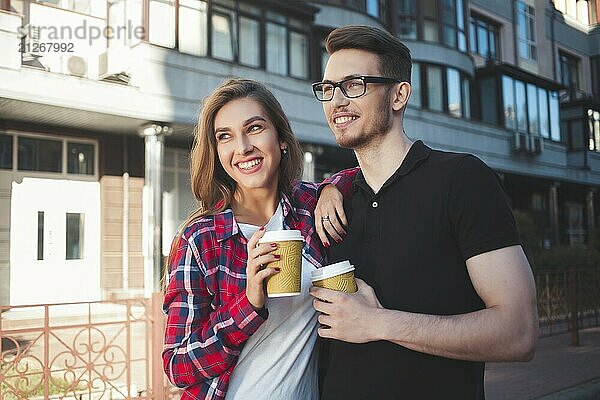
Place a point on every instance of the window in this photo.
(529, 109)
(80, 158)
(193, 18)
(162, 22)
(277, 49)
(46, 155)
(89, 7)
(595, 66)
(441, 88)
(484, 38)
(224, 34)
(74, 236)
(526, 31)
(569, 72)
(39, 155)
(373, 8)
(40, 235)
(594, 129)
(298, 52)
(415, 97)
(487, 88)
(453, 21)
(407, 19)
(433, 20)
(434, 88)
(454, 92)
(6, 152)
(249, 36)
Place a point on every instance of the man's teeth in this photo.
(343, 120)
(249, 164)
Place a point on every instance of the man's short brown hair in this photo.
(394, 57)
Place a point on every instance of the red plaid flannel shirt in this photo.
(209, 317)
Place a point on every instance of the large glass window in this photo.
(249, 37)
(569, 71)
(193, 27)
(434, 88)
(39, 155)
(509, 106)
(80, 158)
(454, 92)
(554, 117)
(526, 31)
(276, 48)
(6, 151)
(441, 88)
(224, 34)
(530, 109)
(373, 8)
(484, 37)
(298, 55)
(489, 106)
(161, 22)
(521, 102)
(407, 19)
(543, 107)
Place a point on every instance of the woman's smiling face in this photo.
(248, 145)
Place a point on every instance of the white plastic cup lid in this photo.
(281, 236)
(330, 270)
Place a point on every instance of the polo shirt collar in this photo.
(417, 153)
(226, 226)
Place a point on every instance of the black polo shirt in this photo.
(410, 242)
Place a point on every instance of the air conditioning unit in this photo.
(519, 142)
(76, 66)
(114, 63)
(536, 144)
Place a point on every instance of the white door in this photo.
(54, 241)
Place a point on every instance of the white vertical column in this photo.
(152, 208)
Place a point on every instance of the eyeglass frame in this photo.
(364, 78)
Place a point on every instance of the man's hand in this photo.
(330, 216)
(350, 317)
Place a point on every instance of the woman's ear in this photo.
(401, 94)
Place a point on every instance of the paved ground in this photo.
(558, 371)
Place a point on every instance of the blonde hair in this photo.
(211, 185)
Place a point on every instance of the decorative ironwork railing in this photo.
(83, 351)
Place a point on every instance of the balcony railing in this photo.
(108, 350)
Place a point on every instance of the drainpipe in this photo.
(553, 40)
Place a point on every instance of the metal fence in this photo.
(568, 301)
(83, 351)
(111, 350)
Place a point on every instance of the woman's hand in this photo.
(256, 273)
(330, 216)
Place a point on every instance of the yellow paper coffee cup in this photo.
(288, 282)
(338, 276)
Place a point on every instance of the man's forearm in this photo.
(491, 334)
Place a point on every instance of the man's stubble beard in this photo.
(378, 127)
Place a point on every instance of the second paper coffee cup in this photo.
(338, 276)
(288, 282)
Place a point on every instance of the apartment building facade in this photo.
(98, 100)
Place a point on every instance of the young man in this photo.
(444, 284)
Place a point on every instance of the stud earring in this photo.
(284, 151)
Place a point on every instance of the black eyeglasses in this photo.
(351, 87)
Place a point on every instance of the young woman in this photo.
(224, 338)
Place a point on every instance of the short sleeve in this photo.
(479, 210)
